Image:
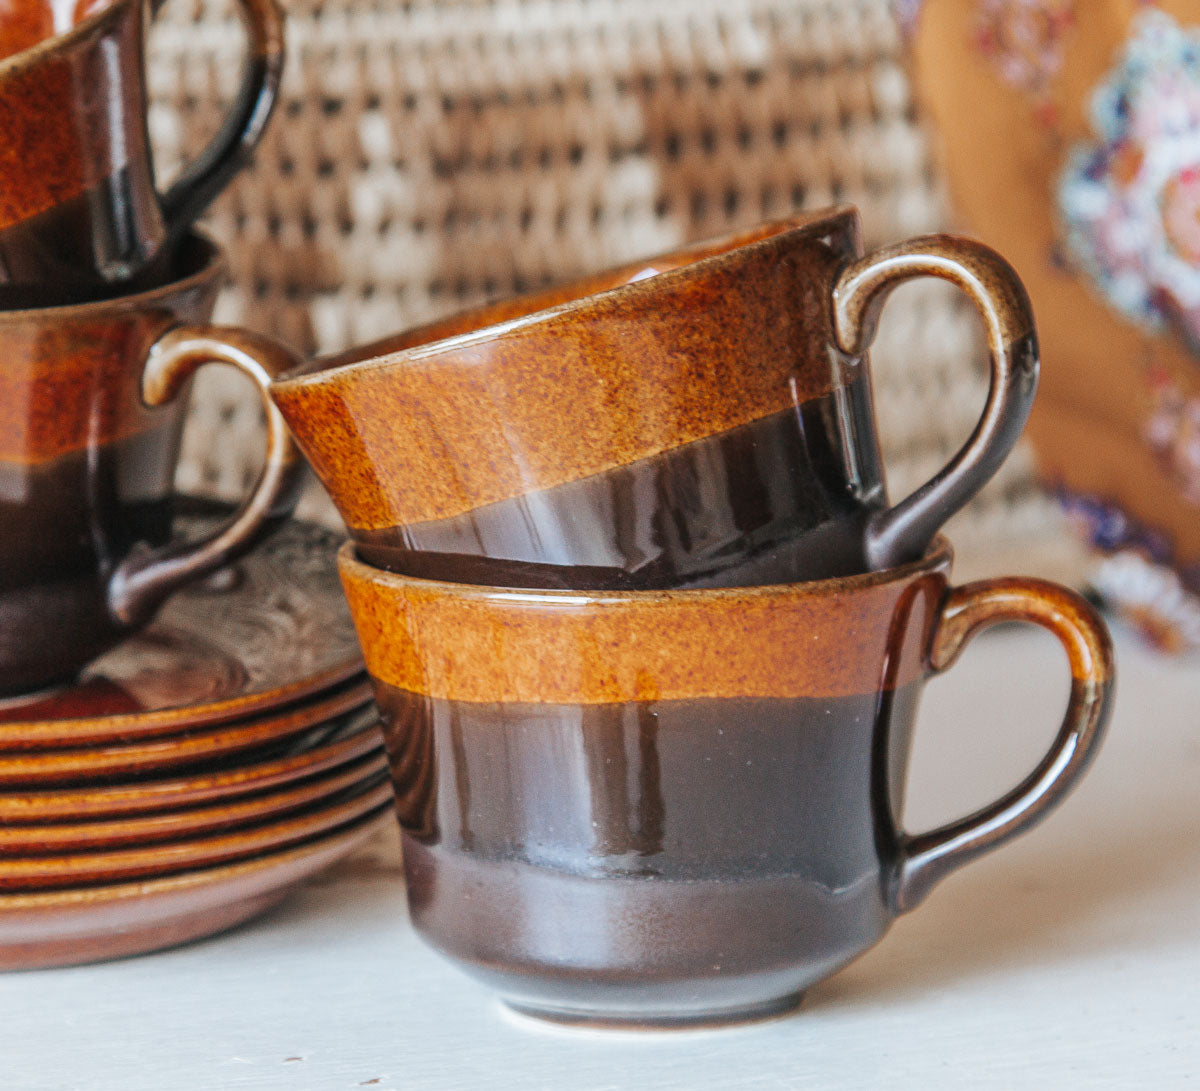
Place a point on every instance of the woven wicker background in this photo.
(430, 155)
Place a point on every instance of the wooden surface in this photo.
(1069, 959)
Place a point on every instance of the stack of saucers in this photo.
(190, 777)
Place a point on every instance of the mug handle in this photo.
(233, 145)
(903, 532)
(926, 858)
(149, 575)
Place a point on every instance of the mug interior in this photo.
(194, 262)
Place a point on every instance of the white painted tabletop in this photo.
(1069, 959)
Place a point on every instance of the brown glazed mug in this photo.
(702, 418)
(80, 216)
(667, 806)
(92, 401)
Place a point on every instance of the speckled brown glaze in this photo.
(90, 923)
(92, 399)
(462, 642)
(72, 375)
(79, 212)
(677, 806)
(531, 398)
(609, 433)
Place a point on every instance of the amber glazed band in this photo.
(459, 642)
(72, 375)
(562, 386)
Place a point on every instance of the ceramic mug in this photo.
(664, 806)
(701, 418)
(80, 215)
(92, 401)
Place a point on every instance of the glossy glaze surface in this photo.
(87, 458)
(265, 734)
(344, 740)
(25, 23)
(767, 502)
(669, 806)
(137, 832)
(87, 924)
(699, 418)
(75, 869)
(80, 217)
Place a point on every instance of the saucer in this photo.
(367, 796)
(351, 738)
(269, 631)
(88, 924)
(121, 762)
(57, 838)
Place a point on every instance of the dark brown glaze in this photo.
(79, 212)
(68, 517)
(993, 286)
(709, 853)
(670, 423)
(671, 806)
(764, 503)
(91, 405)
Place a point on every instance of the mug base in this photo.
(665, 1019)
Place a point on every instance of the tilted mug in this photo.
(702, 418)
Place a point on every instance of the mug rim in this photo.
(64, 39)
(939, 554)
(711, 253)
(215, 264)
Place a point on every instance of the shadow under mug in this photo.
(673, 806)
(80, 216)
(92, 403)
(703, 418)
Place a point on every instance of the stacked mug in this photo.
(157, 782)
(646, 634)
(105, 299)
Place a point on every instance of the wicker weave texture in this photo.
(430, 155)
